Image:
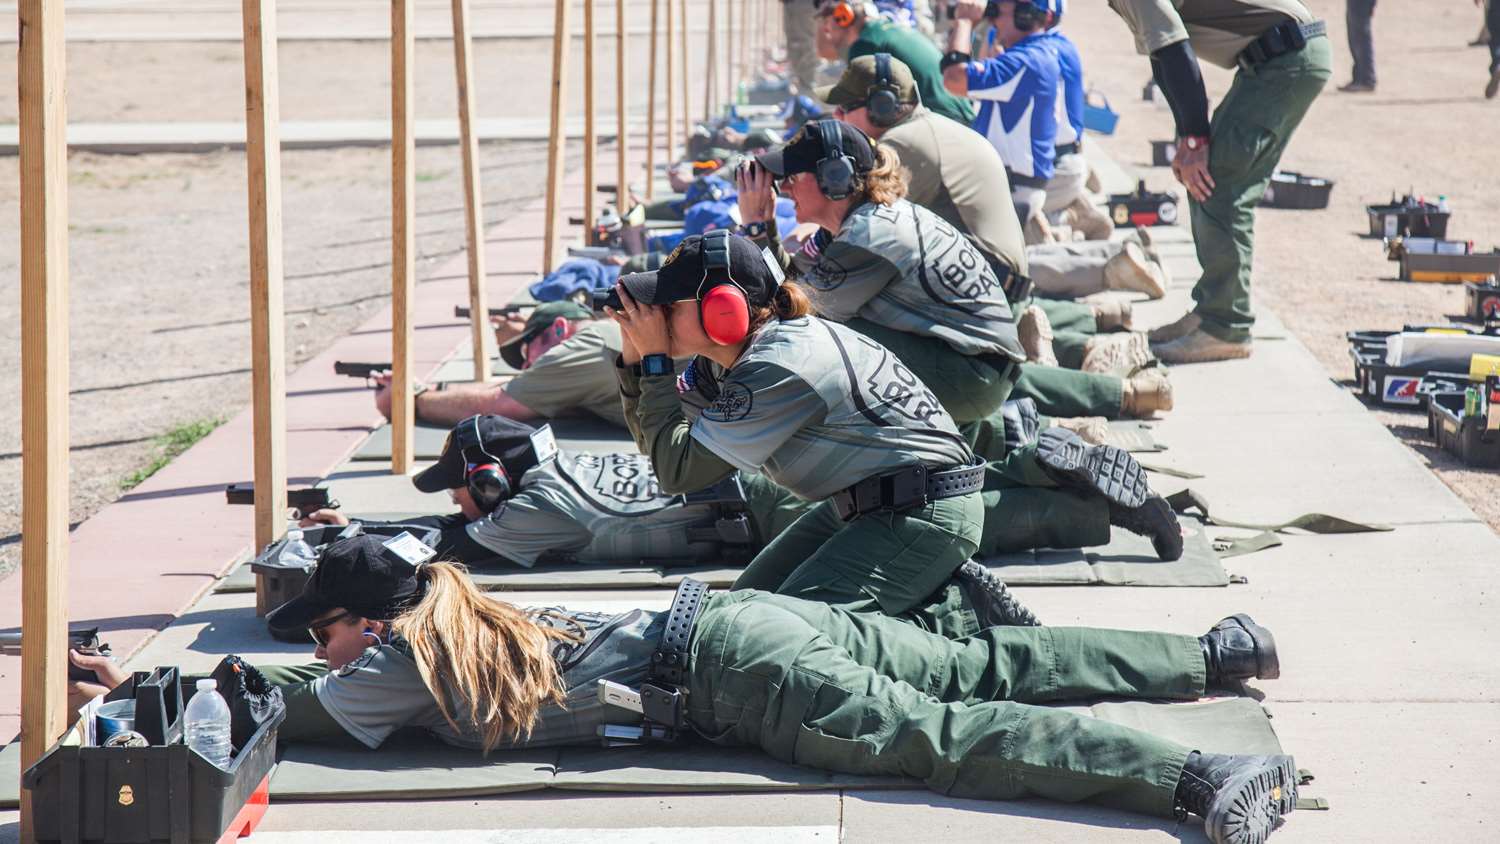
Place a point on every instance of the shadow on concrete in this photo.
(1075, 814)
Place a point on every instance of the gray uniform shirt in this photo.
(382, 691)
(593, 508)
(1219, 30)
(905, 268)
(576, 374)
(959, 176)
(817, 407)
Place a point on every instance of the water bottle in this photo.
(296, 552)
(1443, 203)
(206, 724)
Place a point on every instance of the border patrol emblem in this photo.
(733, 403)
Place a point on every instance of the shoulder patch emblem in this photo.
(827, 274)
(732, 404)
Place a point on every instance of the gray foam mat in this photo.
(574, 433)
(1133, 435)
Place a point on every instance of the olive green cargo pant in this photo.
(1249, 131)
(861, 693)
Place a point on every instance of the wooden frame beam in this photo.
(463, 48)
(267, 307)
(622, 136)
(42, 91)
(403, 235)
(557, 136)
(651, 101)
(590, 128)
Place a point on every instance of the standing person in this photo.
(1492, 29)
(1358, 15)
(1067, 190)
(810, 684)
(846, 32)
(1018, 91)
(1283, 61)
(801, 29)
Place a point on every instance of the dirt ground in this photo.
(1427, 128)
(160, 279)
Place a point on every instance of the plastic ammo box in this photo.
(1299, 191)
(1476, 267)
(1394, 386)
(163, 794)
(1463, 436)
(1482, 300)
(1424, 220)
(278, 583)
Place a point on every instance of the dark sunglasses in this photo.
(316, 630)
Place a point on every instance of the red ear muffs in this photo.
(726, 314)
(843, 14)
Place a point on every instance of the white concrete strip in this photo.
(134, 138)
(644, 835)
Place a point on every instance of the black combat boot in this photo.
(1239, 649)
(1240, 798)
(993, 603)
(1155, 520)
(1100, 469)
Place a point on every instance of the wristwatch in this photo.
(1195, 142)
(657, 364)
(755, 230)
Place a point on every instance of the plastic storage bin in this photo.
(1407, 217)
(1297, 191)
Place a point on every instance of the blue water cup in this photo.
(113, 717)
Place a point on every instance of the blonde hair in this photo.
(887, 180)
(493, 658)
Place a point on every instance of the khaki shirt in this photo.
(1219, 30)
(576, 374)
(959, 176)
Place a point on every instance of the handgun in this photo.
(461, 312)
(305, 501)
(359, 370)
(85, 640)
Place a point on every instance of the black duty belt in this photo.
(907, 488)
(661, 701)
(1068, 149)
(670, 661)
(1025, 181)
(1285, 37)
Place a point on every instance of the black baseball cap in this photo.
(803, 152)
(541, 316)
(683, 272)
(479, 439)
(859, 81)
(358, 574)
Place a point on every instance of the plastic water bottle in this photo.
(1443, 203)
(296, 551)
(206, 724)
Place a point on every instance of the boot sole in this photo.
(1104, 469)
(1267, 663)
(1248, 807)
(997, 606)
(1171, 534)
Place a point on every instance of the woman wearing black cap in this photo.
(410, 646)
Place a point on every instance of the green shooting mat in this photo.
(575, 433)
(1132, 435)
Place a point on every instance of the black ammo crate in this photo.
(1482, 300)
(1298, 191)
(279, 583)
(1399, 219)
(163, 794)
(1463, 436)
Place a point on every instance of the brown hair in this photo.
(886, 181)
(494, 659)
(790, 302)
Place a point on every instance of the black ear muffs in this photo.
(884, 101)
(836, 173)
(722, 306)
(486, 480)
(1028, 17)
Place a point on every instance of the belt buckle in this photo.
(909, 488)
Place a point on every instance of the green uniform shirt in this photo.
(576, 374)
(1219, 30)
(382, 691)
(959, 176)
(594, 508)
(922, 56)
(818, 407)
(903, 267)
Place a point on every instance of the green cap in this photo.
(541, 316)
(854, 87)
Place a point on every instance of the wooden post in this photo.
(711, 60)
(729, 52)
(651, 103)
(682, 49)
(622, 137)
(267, 308)
(43, 94)
(590, 134)
(557, 136)
(403, 235)
(479, 322)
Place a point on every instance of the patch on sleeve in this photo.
(732, 404)
(827, 274)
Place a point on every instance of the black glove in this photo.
(252, 698)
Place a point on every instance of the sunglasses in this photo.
(318, 629)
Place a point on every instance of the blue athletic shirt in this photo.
(1018, 113)
(1070, 93)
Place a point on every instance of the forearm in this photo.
(772, 240)
(680, 462)
(630, 399)
(458, 402)
(1175, 69)
(307, 719)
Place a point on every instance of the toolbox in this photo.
(1407, 216)
(1473, 267)
(1482, 300)
(279, 582)
(1288, 189)
(165, 793)
(1398, 386)
(1143, 208)
(1467, 432)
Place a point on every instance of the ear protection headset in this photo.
(1028, 16)
(487, 483)
(884, 100)
(722, 306)
(843, 14)
(836, 173)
